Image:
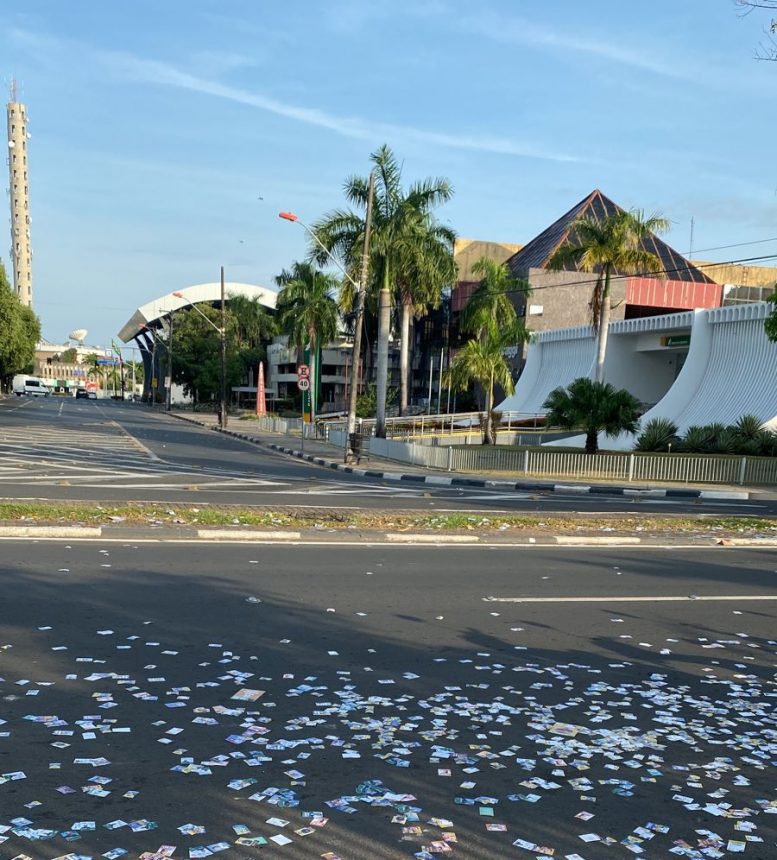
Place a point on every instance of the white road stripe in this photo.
(643, 599)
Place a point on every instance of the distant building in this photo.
(741, 284)
(65, 376)
(466, 252)
(19, 193)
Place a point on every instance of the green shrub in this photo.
(658, 435)
(748, 427)
(745, 437)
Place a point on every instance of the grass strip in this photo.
(139, 514)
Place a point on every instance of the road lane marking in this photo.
(684, 598)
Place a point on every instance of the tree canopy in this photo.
(611, 246)
(19, 331)
(411, 252)
(197, 345)
(770, 323)
(767, 49)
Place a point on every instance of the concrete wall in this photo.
(728, 371)
(564, 299)
(554, 358)
(641, 365)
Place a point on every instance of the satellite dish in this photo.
(78, 334)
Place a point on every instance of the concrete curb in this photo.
(51, 531)
(519, 486)
(246, 535)
(572, 540)
(407, 537)
(487, 483)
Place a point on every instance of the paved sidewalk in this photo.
(325, 454)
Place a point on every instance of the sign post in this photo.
(303, 384)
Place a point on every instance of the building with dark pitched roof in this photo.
(560, 299)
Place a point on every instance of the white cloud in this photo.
(160, 73)
(519, 31)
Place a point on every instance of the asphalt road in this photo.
(58, 448)
(403, 701)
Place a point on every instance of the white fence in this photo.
(634, 467)
(641, 468)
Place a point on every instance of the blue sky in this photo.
(157, 126)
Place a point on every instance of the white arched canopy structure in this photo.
(139, 327)
(693, 367)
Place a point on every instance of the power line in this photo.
(653, 274)
(736, 245)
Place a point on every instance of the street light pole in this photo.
(359, 325)
(360, 294)
(223, 411)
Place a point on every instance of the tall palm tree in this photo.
(308, 313)
(411, 252)
(614, 245)
(482, 360)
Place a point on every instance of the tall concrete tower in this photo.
(19, 190)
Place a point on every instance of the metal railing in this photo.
(631, 467)
(628, 467)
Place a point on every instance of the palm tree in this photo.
(308, 313)
(614, 245)
(482, 360)
(411, 253)
(491, 317)
(489, 308)
(592, 406)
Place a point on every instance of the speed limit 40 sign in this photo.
(303, 383)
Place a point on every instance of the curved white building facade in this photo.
(693, 367)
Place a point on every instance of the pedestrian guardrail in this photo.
(628, 467)
(634, 467)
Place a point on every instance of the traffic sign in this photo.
(303, 383)
(303, 371)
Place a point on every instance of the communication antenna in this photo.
(690, 244)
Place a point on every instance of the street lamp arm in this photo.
(290, 216)
(204, 316)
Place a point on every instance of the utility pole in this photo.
(169, 386)
(358, 325)
(223, 406)
(384, 325)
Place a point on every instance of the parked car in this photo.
(81, 394)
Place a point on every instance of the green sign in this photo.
(676, 340)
